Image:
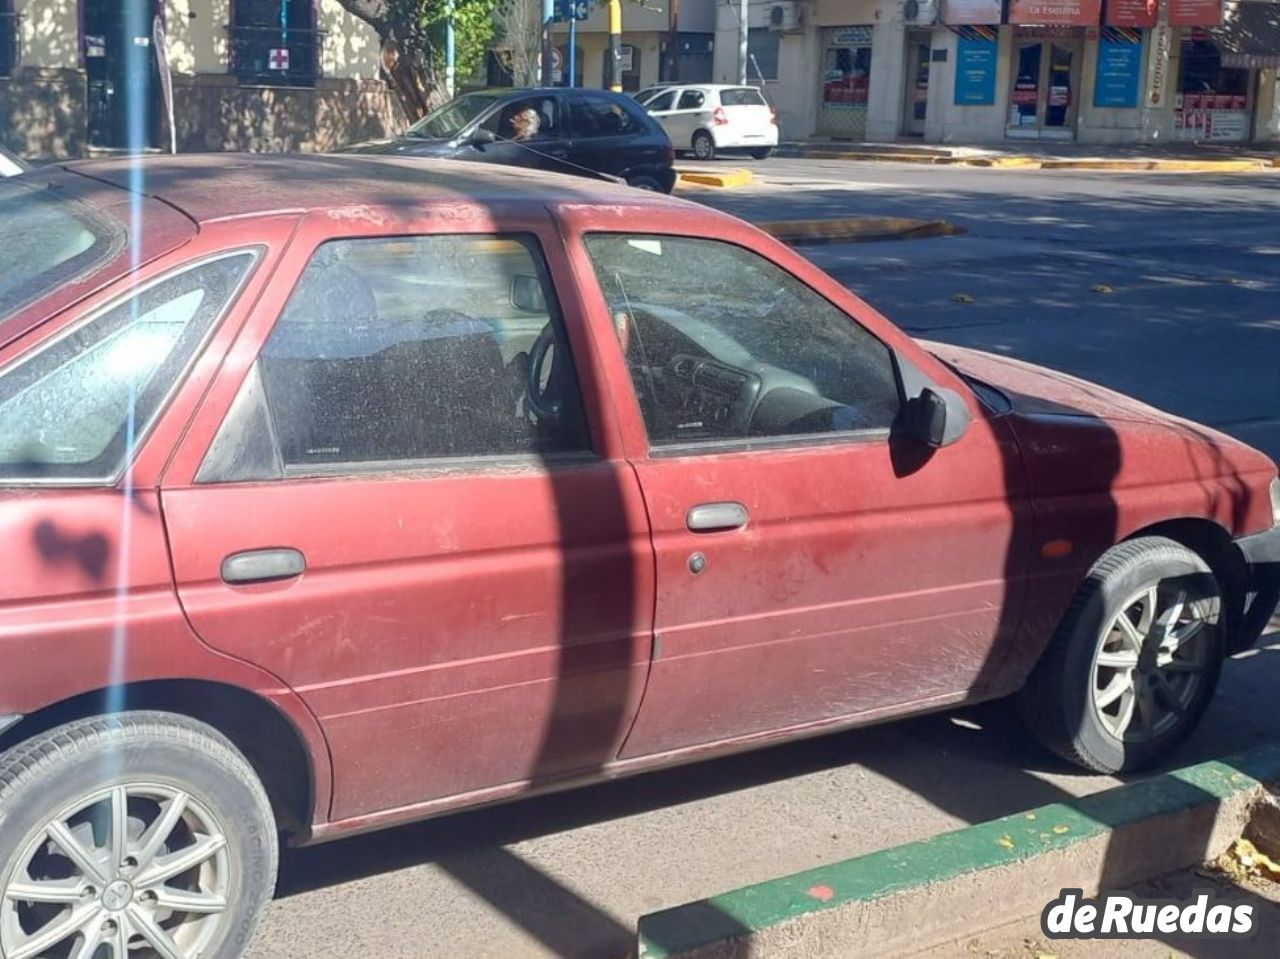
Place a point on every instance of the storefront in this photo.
(846, 82)
(1224, 70)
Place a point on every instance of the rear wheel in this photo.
(132, 837)
(645, 183)
(763, 153)
(704, 148)
(1135, 661)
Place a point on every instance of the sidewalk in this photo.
(1172, 157)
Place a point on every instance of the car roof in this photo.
(210, 187)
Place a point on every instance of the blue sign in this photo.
(572, 10)
(1119, 68)
(975, 72)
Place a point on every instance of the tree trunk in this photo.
(405, 58)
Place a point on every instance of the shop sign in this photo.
(1195, 13)
(1158, 68)
(976, 72)
(851, 37)
(1080, 13)
(1119, 68)
(1211, 125)
(1132, 13)
(960, 13)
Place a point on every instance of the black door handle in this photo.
(263, 565)
(716, 517)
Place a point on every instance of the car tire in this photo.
(176, 792)
(763, 153)
(645, 183)
(704, 148)
(1116, 698)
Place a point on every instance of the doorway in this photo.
(916, 96)
(1046, 89)
(846, 83)
(123, 77)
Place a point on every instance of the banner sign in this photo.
(1073, 13)
(962, 13)
(1119, 68)
(976, 71)
(1195, 13)
(1132, 13)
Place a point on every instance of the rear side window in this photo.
(741, 97)
(400, 350)
(691, 100)
(76, 408)
(603, 118)
(48, 240)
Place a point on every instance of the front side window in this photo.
(401, 350)
(662, 101)
(76, 408)
(526, 118)
(737, 348)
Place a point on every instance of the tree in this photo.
(412, 38)
(519, 26)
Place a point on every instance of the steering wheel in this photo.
(543, 405)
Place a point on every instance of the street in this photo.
(1161, 286)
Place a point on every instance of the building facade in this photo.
(993, 71)
(275, 75)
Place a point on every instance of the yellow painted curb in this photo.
(730, 178)
(848, 229)
(1168, 166)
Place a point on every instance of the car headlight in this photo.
(1275, 501)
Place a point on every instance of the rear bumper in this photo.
(730, 139)
(1262, 553)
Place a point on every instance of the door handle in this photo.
(263, 565)
(716, 517)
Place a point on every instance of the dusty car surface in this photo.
(338, 492)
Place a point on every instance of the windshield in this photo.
(47, 240)
(452, 118)
(741, 97)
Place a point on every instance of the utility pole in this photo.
(615, 45)
(548, 15)
(742, 42)
(450, 52)
(673, 40)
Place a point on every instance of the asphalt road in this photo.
(1192, 324)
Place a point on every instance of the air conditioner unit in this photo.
(921, 12)
(786, 17)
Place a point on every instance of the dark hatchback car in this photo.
(564, 131)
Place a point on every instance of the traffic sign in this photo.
(572, 10)
(557, 59)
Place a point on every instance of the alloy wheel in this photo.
(1151, 661)
(133, 871)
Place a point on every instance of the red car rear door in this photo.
(459, 585)
(809, 568)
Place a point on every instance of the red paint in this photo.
(464, 636)
(822, 893)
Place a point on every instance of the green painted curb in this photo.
(1000, 842)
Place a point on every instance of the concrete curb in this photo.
(1031, 162)
(856, 229)
(901, 900)
(729, 178)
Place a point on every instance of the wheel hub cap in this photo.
(117, 895)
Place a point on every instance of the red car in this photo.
(337, 492)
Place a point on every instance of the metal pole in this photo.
(673, 40)
(615, 45)
(548, 15)
(450, 52)
(573, 48)
(742, 42)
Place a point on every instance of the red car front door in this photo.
(810, 569)
(459, 585)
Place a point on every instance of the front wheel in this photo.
(138, 835)
(762, 153)
(704, 148)
(1134, 662)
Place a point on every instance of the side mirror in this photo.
(527, 294)
(481, 137)
(925, 418)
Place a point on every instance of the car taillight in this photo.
(718, 118)
(773, 116)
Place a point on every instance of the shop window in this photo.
(8, 38)
(275, 42)
(1213, 100)
(762, 47)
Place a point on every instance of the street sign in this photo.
(572, 10)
